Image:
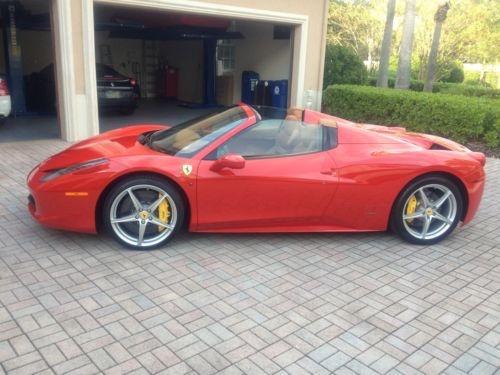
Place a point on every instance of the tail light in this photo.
(133, 82)
(4, 90)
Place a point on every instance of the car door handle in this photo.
(328, 171)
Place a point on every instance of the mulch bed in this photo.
(481, 147)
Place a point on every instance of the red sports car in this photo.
(246, 169)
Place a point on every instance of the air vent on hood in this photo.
(436, 146)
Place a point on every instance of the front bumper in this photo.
(55, 204)
(116, 98)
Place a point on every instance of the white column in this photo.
(73, 30)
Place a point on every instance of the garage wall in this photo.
(261, 53)
(187, 56)
(124, 52)
(317, 11)
(36, 49)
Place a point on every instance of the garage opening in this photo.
(27, 89)
(155, 66)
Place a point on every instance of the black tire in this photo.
(450, 210)
(147, 190)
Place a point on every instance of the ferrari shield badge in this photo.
(187, 169)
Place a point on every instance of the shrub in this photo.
(472, 82)
(457, 117)
(456, 75)
(474, 76)
(449, 88)
(343, 66)
(467, 90)
(415, 84)
(451, 72)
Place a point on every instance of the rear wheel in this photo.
(143, 212)
(427, 210)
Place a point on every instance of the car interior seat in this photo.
(288, 135)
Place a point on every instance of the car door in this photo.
(273, 191)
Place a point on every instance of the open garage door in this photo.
(184, 65)
(27, 80)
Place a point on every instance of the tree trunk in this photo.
(404, 63)
(482, 75)
(431, 66)
(370, 54)
(385, 52)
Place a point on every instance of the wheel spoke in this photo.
(415, 215)
(155, 220)
(440, 217)
(427, 223)
(124, 219)
(156, 204)
(135, 201)
(425, 200)
(441, 200)
(142, 229)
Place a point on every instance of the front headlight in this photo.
(71, 169)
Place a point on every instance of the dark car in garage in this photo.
(115, 91)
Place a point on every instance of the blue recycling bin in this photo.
(248, 81)
(279, 93)
(262, 94)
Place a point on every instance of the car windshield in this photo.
(187, 139)
(104, 70)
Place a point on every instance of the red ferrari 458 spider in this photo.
(246, 169)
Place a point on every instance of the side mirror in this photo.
(233, 161)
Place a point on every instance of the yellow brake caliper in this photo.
(163, 212)
(412, 207)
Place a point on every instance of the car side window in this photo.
(274, 138)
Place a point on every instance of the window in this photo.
(225, 56)
(190, 137)
(275, 137)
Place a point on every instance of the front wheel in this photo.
(427, 210)
(143, 212)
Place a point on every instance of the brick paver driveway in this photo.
(312, 303)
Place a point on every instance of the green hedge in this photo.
(415, 85)
(448, 88)
(467, 90)
(460, 118)
(491, 78)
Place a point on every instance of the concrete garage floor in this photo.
(156, 111)
(304, 303)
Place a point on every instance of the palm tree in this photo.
(439, 18)
(404, 63)
(383, 70)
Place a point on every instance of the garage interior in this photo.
(184, 65)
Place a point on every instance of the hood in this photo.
(114, 143)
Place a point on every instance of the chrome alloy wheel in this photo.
(135, 216)
(430, 211)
